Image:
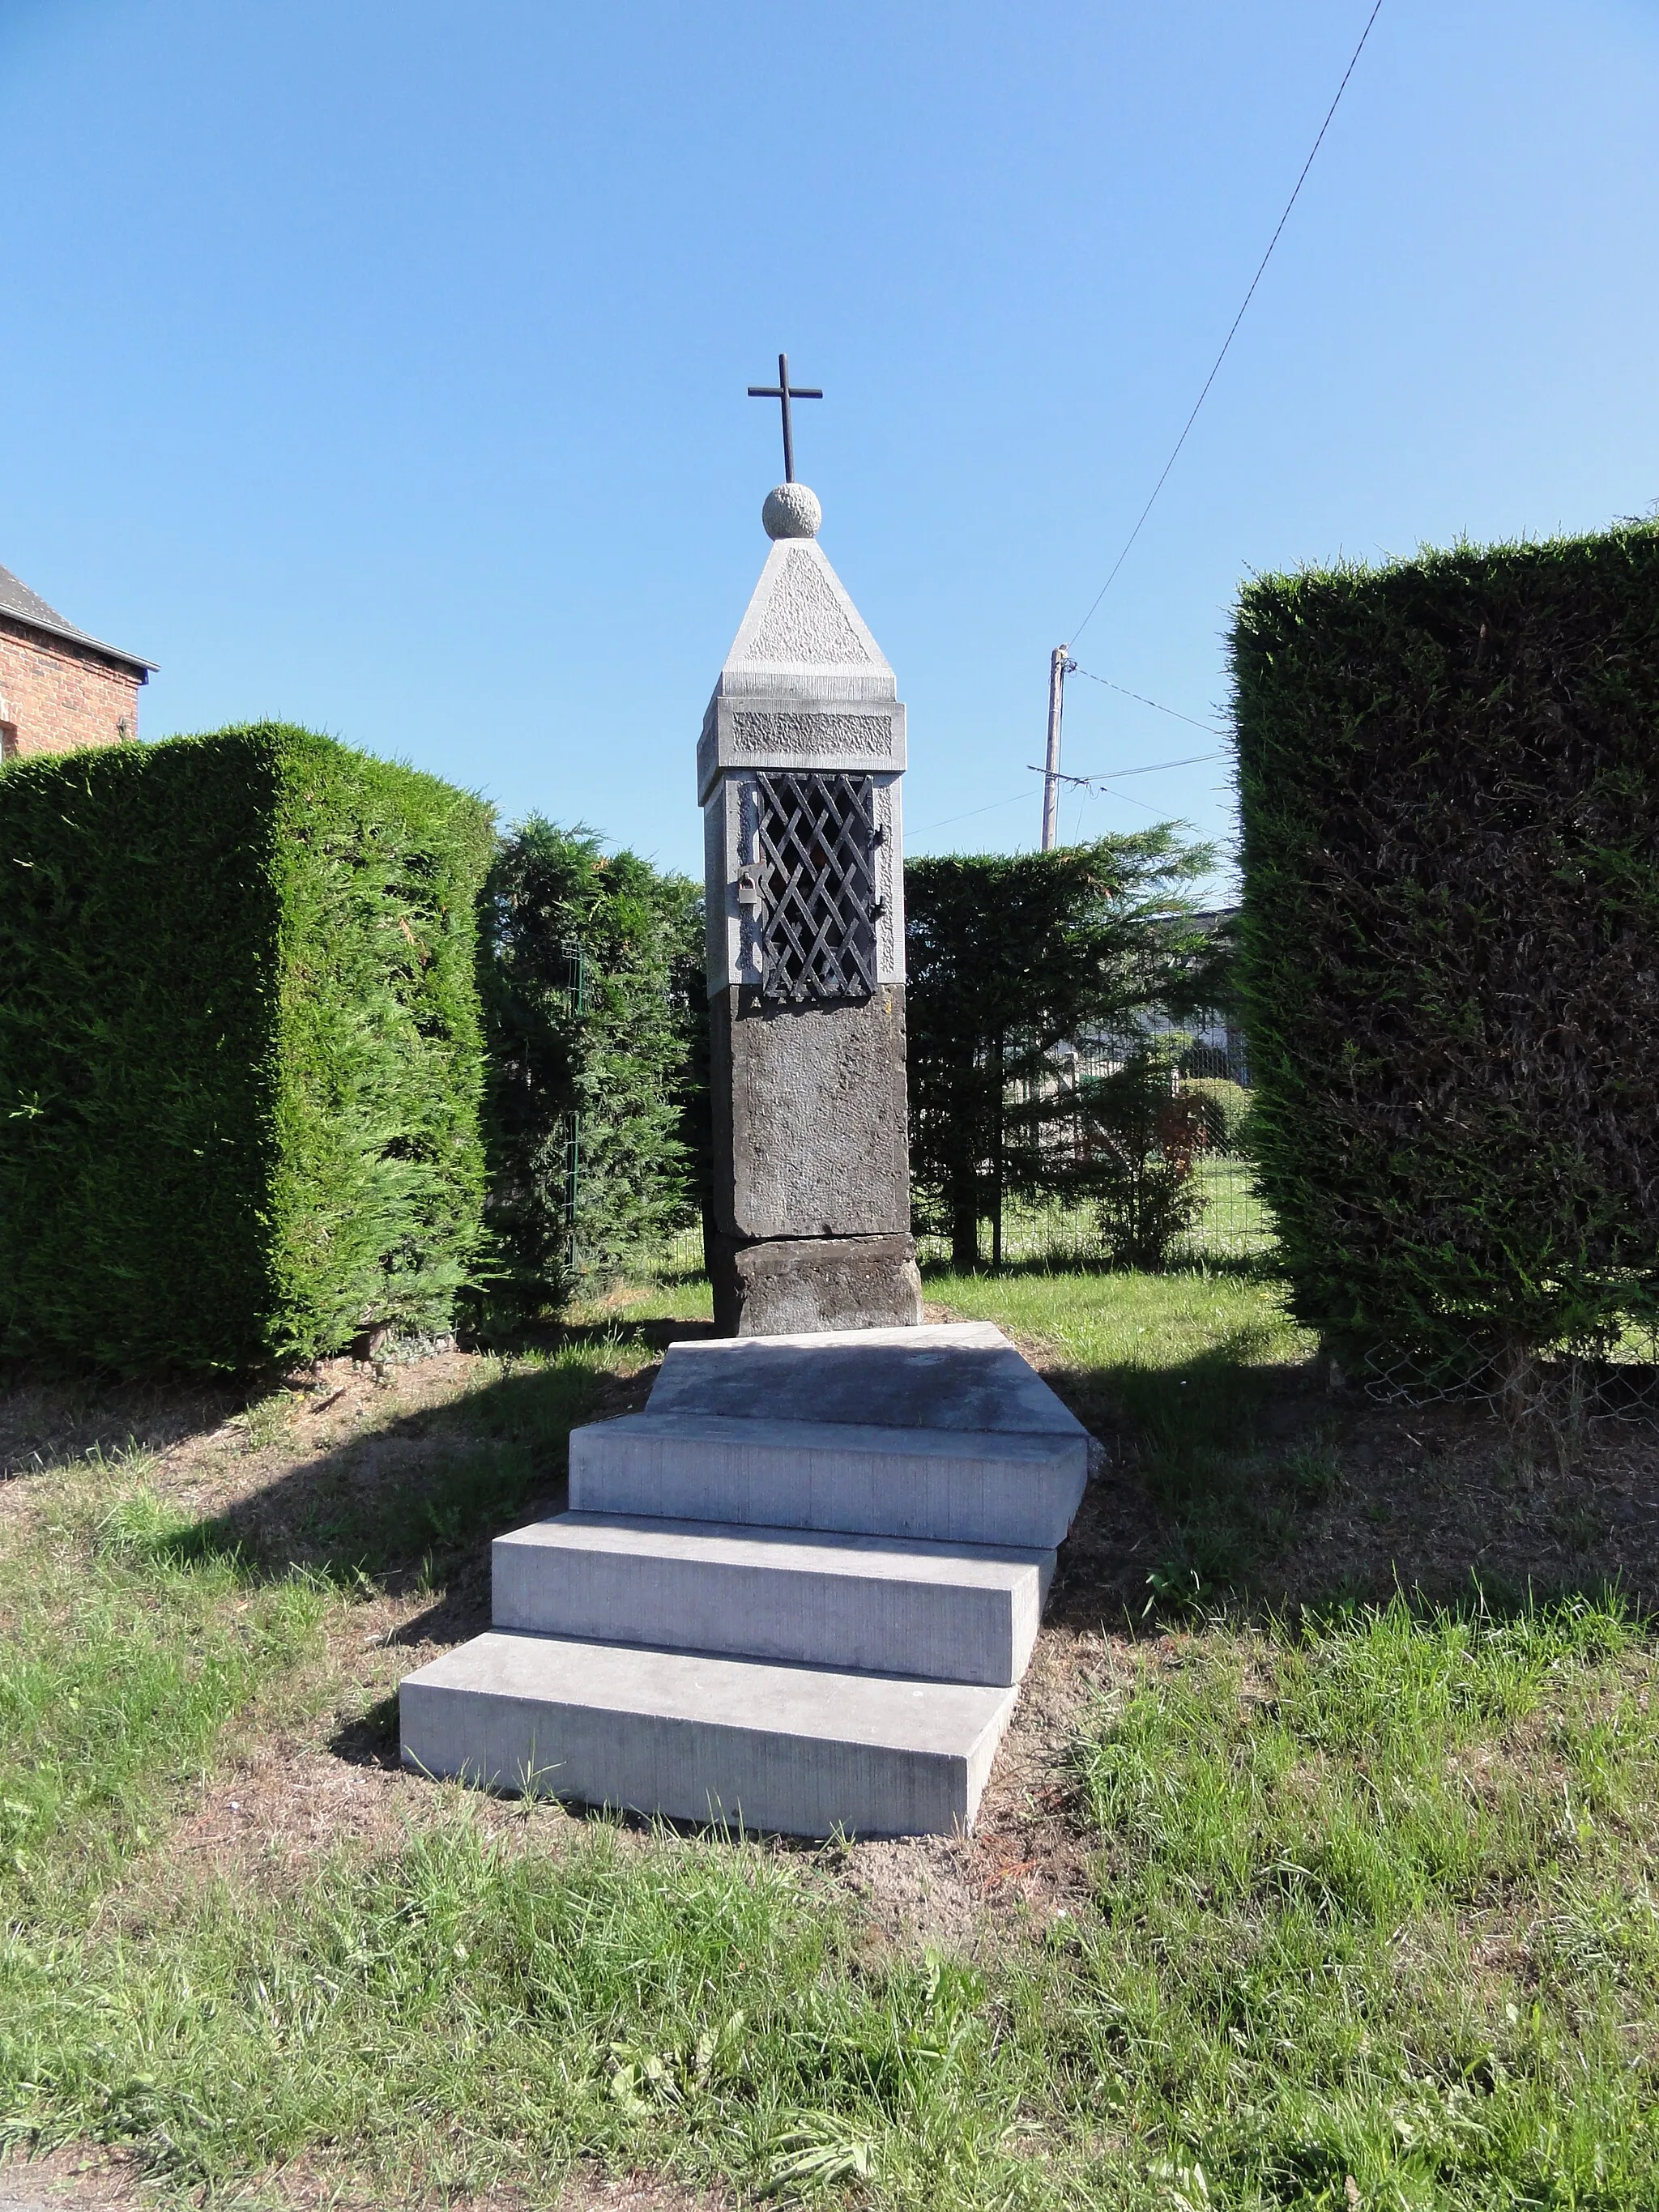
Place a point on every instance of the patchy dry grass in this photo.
(1318, 1869)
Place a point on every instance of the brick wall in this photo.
(55, 696)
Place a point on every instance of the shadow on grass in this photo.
(1251, 1488)
(1232, 1479)
(371, 1737)
(408, 1505)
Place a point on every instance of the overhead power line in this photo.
(1152, 768)
(1141, 697)
(1104, 782)
(1227, 342)
(928, 828)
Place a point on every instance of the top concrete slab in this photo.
(955, 1376)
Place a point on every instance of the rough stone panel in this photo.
(800, 1285)
(57, 698)
(804, 621)
(810, 1129)
(808, 735)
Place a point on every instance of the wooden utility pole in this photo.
(1060, 667)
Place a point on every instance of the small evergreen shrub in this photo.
(240, 1061)
(1225, 1108)
(1450, 942)
(1147, 1136)
(598, 1027)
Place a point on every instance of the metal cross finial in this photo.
(784, 391)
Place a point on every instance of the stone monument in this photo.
(798, 772)
(799, 1589)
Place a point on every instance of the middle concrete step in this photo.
(879, 1605)
(943, 1486)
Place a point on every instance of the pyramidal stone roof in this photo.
(805, 683)
(21, 605)
(802, 633)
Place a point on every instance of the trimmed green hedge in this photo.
(241, 1066)
(1449, 781)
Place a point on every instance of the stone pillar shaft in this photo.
(798, 772)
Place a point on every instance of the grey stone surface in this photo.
(878, 1605)
(791, 510)
(798, 1624)
(797, 1590)
(805, 619)
(761, 730)
(810, 1129)
(948, 1487)
(694, 1738)
(819, 1284)
(811, 1135)
(948, 1374)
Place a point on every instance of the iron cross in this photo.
(784, 391)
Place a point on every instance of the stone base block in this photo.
(796, 1592)
(798, 1286)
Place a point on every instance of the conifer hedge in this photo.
(1007, 957)
(240, 1064)
(1450, 782)
(597, 1026)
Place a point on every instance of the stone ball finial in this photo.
(792, 511)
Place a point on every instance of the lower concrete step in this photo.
(883, 1605)
(943, 1486)
(793, 1750)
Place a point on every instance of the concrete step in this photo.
(879, 1604)
(943, 1375)
(794, 1750)
(942, 1486)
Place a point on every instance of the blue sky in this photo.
(381, 365)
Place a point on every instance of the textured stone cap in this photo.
(792, 511)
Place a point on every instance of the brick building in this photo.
(60, 689)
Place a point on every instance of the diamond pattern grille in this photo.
(817, 885)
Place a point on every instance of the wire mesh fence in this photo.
(1233, 1228)
(1230, 1226)
(1195, 1135)
(1554, 1399)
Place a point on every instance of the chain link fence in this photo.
(1552, 1400)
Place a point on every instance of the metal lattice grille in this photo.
(818, 840)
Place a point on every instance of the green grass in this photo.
(1372, 1911)
(129, 1638)
(1129, 1326)
(470, 2015)
(1194, 1368)
(1375, 1897)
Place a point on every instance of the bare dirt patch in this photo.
(84, 2178)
